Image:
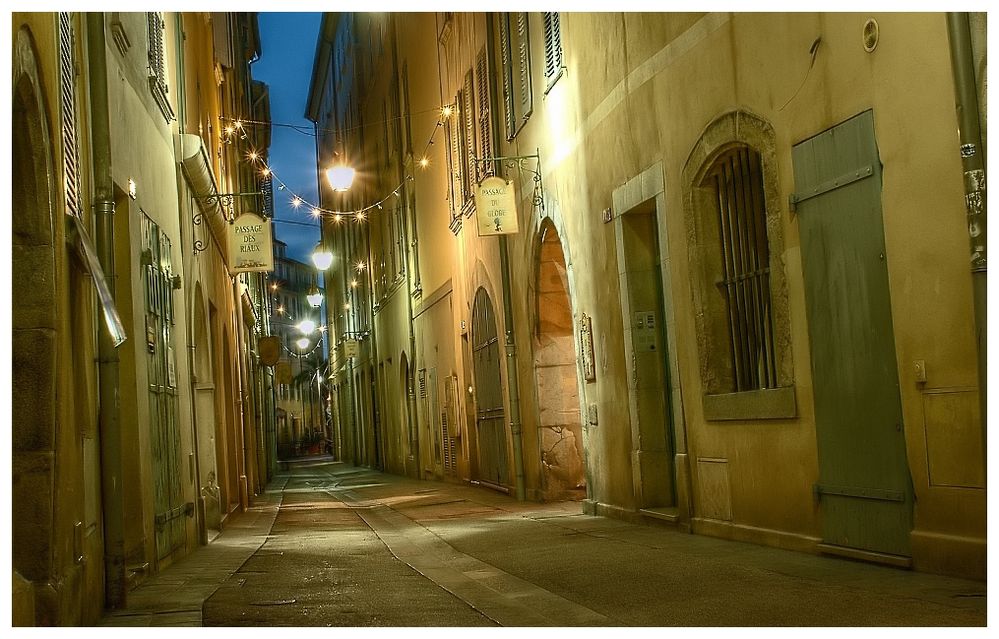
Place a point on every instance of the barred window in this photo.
(515, 53)
(553, 49)
(736, 179)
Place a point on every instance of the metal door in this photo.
(864, 488)
(164, 433)
(489, 423)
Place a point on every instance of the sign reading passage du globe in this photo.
(250, 246)
(496, 207)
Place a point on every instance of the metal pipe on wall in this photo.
(109, 417)
(973, 163)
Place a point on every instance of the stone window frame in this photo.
(729, 130)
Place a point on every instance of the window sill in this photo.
(770, 403)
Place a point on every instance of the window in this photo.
(484, 116)
(515, 53)
(737, 181)
(469, 137)
(735, 248)
(553, 49)
(157, 63)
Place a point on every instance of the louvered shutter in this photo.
(155, 23)
(469, 121)
(70, 144)
(524, 68)
(506, 53)
(455, 145)
(484, 116)
(553, 45)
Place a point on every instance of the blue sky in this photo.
(288, 45)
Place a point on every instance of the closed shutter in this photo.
(506, 55)
(155, 23)
(468, 107)
(524, 66)
(553, 45)
(485, 116)
(454, 145)
(67, 86)
(223, 44)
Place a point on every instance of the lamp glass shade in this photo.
(315, 297)
(340, 177)
(302, 343)
(322, 258)
(307, 327)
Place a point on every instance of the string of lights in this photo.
(318, 212)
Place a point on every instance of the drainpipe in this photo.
(109, 417)
(244, 496)
(973, 162)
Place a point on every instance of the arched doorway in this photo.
(560, 431)
(491, 434)
(35, 361)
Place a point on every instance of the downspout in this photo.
(973, 163)
(513, 384)
(109, 416)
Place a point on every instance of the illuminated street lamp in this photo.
(307, 327)
(340, 177)
(302, 343)
(314, 296)
(322, 257)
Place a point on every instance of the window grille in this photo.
(515, 51)
(553, 48)
(737, 179)
(67, 86)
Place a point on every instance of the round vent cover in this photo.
(871, 34)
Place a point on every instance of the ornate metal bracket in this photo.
(225, 201)
(519, 162)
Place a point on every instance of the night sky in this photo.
(288, 46)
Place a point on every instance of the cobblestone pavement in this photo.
(335, 545)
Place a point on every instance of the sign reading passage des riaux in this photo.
(250, 247)
(496, 207)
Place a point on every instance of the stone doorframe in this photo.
(649, 185)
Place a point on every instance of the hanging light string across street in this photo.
(359, 214)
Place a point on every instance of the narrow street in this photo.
(335, 545)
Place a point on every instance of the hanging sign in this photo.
(270, 350)
(250, 246)
(496, 207)
(351, 348)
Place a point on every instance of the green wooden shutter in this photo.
(70, 144)
(524, 67)
(553, 45)
(507, 56)
(468, 108)
(485, 115)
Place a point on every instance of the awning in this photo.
(197, 168)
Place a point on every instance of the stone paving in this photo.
(334, 545)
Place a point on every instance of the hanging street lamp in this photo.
(314, 296)
(340, 177)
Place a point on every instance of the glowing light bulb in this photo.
(296, 202)
(280, 310)
(273, 287)
(265, 172)
(353, 283)
(253, 155)
(302, 343)
(446, 111)
(424, 162)
(338, 218)
(239, 124)
(360, 266)
(307, 326)
(360, 216)
(347, 306)
(229, 130)
(316, 213)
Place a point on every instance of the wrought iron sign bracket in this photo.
(225, 201)
(520, 162)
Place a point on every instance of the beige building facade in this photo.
(142, 410)
(739, 299)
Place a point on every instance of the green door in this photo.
(170, 515)
(490, 424)
(864, 487)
